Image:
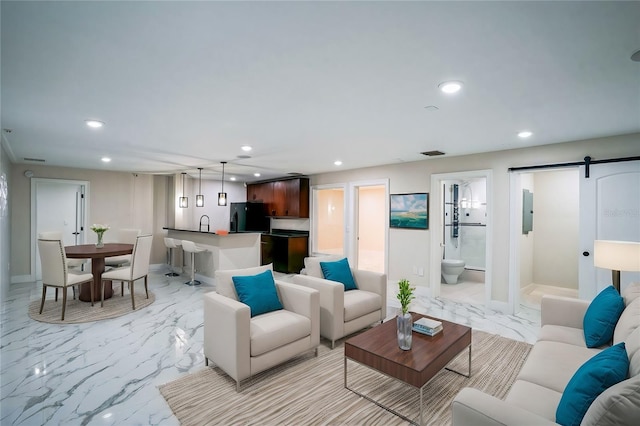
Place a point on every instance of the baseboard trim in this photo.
(19, 279)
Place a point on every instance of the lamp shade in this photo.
(617, 255)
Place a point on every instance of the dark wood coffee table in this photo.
(377, 348)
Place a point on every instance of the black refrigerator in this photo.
(248, 217)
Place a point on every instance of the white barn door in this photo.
(609, 210)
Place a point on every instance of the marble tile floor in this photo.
(107, 373)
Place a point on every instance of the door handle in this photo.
(586, 253)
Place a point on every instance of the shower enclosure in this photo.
(465, 219)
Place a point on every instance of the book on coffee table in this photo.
(427, 326)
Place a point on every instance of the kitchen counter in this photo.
(235, 250)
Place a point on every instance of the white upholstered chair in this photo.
(345, 312)
(55, 272)
(124, 236)
(242, 345)
(75, 264)
(138, 269)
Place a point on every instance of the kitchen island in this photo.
(224, 251)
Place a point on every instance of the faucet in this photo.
(202, 217)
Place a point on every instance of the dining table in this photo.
(97, 256)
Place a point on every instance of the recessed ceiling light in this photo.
(256, 174)
(338, 163)
(94, 124)
(450, 87)
(232, 178)
(524, 134)
(246, 148)
(106, 159)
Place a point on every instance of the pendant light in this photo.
(183, 202)
(222, 196)
(200, 197)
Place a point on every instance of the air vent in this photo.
(37, 160)
(243, 156)
(432, 153)
(295, 174)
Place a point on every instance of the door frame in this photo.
(436, 213)
(34, 198)
(352, 217)
(515, 231)
(313, 219)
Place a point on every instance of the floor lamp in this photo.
(617, 256)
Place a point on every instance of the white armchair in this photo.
(345, 312)
(243, 346)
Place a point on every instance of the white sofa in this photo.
(559, 351)
(243, 346)
(345, 312)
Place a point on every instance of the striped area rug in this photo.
(310, 390)
(78, 311)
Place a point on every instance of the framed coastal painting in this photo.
(409, 211)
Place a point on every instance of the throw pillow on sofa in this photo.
(599, 373)
(259, 292)
(601, 317)
(339, 271)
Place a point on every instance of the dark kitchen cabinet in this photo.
(284, 198)
(287, 253)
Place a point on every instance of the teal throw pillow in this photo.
(602, 316)
(339, 271)
(258, 291)
(599, 373)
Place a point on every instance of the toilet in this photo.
(451, 270)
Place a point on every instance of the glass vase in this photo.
(404, 323)
(99, 244)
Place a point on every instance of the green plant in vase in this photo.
(405, 321)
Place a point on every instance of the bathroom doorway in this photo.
(460, 237)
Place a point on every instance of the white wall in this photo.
(408, 248)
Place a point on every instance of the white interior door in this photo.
(58, 205)
(609, 210)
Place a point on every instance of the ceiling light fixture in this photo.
(246, 148)
(256, 174)
(94, 124)
(233, 178)
(183, 202)
(199, 197)
(525, 134)
(222, 196)
(450, 87)
(106, 159)
(338, 163)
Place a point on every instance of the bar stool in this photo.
(191, 247)
(171, 244)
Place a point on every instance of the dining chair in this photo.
(123, 236)
(72, 264)
(55, 272)
(139, 268)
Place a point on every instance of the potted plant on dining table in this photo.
(99, 230)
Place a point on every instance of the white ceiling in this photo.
(182, 85)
